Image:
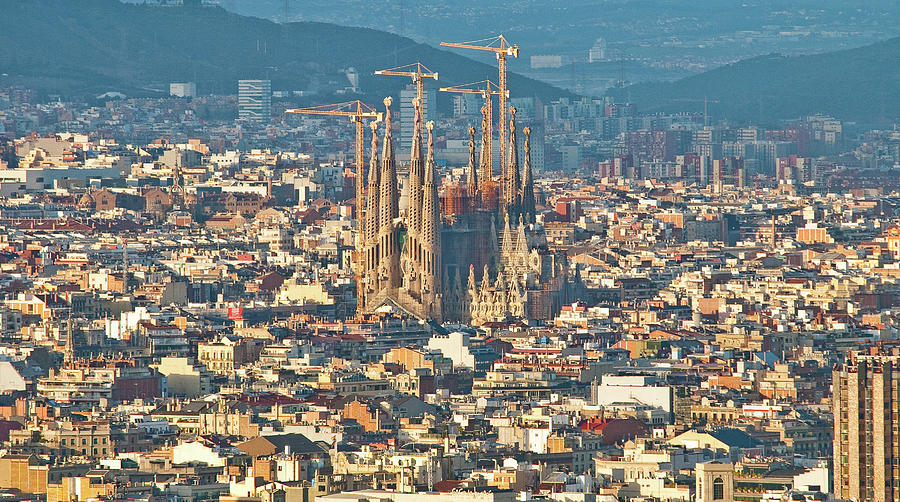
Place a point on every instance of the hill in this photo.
(856, 84)
(87, 47)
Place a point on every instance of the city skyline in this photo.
(272, 259)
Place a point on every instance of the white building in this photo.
(598, 51)
(454, 346)
(255, 100)
(10, 379)
(633, 389)
(196, 451)
(183, 89)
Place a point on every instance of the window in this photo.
(718, 489)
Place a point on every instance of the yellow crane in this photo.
(416, 71)
(357, 111)
(486, 88)
(502, 48)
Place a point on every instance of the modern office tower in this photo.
(255, 100)
(408, 113)
(866, 402)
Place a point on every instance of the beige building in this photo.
(184, 378)
(29, 304)
(715, 482)
(228, 354)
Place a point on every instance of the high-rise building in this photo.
(866, 403)
(408, 114)
(255, 100)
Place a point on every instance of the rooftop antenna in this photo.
(402, 17)
(125, 266)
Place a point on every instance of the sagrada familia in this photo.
(451, 264)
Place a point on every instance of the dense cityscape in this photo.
(451, 292)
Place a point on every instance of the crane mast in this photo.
(502, 48)
(416, 71)
(487, 111)
(356, 111)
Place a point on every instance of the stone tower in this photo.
(472, 168)
(715, 482)
(412, 244)
(512, 182)
(431, 264)
(526, 197)
(407, 272)
(388, 241)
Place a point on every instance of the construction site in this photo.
(464, 250)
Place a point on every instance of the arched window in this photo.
(718, 489)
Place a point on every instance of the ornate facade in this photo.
(462, 270)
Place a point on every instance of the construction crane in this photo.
(502, 48)
(706, 101)
(416, 71)
(487, 89)
(357, 111)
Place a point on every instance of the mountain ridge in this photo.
(85, 47)
(856, 84)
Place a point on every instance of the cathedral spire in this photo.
(430, 233)
(511, 188)
(416, 178)
(431, 215)
(389, 246)
(527, 194)
(370, 227)
(486, 160)
(388, 193)
(472, 168)
(371, 221)
(485, 279)
(521, 238)
(506, 243)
